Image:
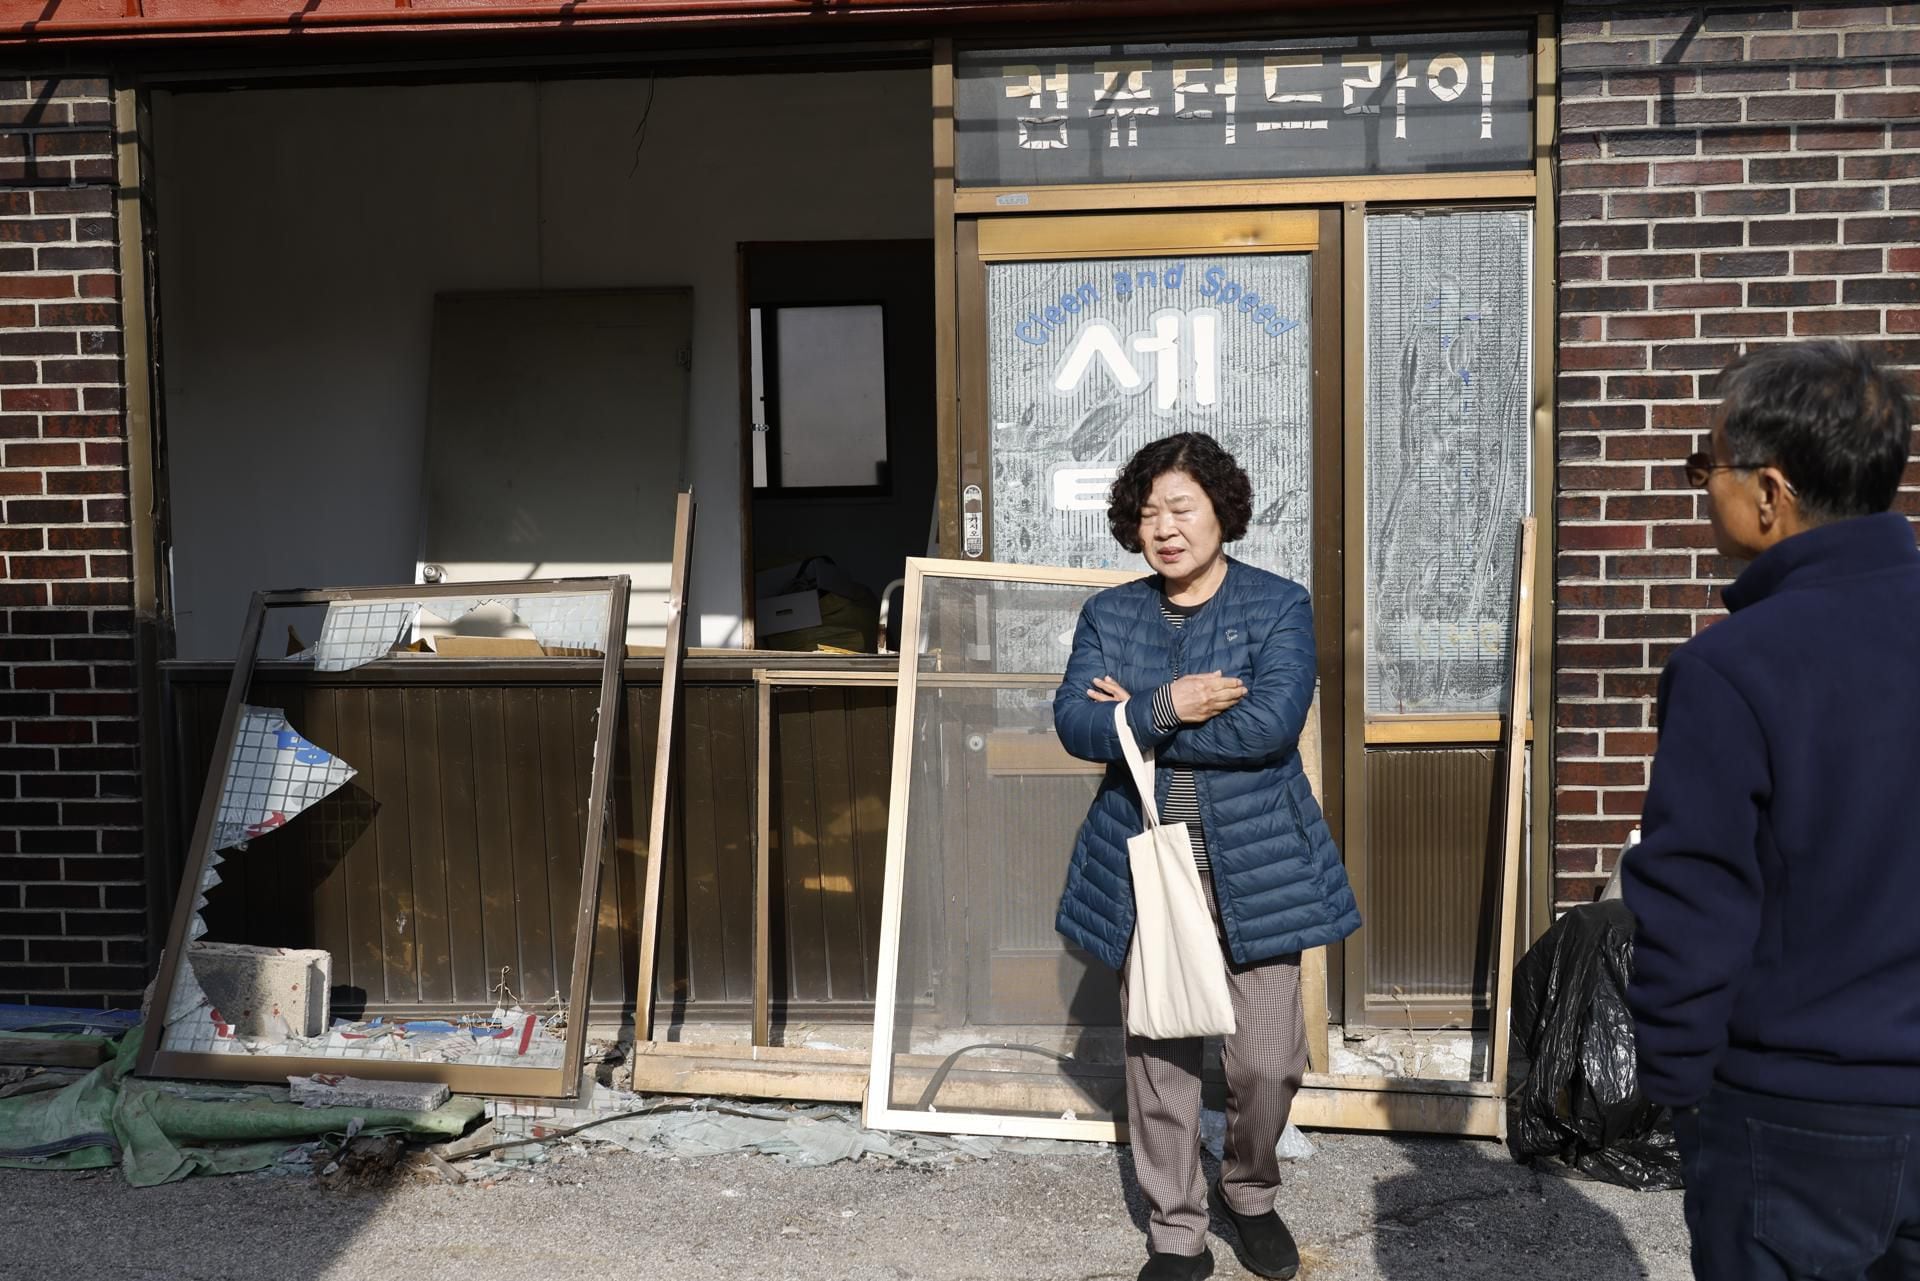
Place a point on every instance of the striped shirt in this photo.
(1183, 799)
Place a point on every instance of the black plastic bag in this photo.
(1579, 1098)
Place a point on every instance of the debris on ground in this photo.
(328, 1091)
(160, 1131)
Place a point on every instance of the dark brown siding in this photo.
(452, 861)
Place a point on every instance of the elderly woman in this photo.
(1214, 660)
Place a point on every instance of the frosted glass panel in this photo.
(1088, 361)
(1449, 381)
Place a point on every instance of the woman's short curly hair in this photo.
(1199, 456)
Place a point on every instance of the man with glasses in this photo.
(1776, 986)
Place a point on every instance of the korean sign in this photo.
(1267, 109)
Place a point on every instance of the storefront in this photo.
(915, 281)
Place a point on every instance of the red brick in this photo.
(1650, 507)
(1715, 294)
(1584, 177)
(1629, 804)
(1661, 447)
(1839, 77)
(1797, 106)
(1650, 267)
(1857, 15)
(1663, 325)
(87, 482)
(1698, 235)
(1795, 169)
(92, 593)
(1690, 596)
(1882, 168)
(1605, 235)
(22, 482)
(1577, 506)
(1744, 324)
(1848, 136)
(1603, 358)
(1604, 298)
(1896, 230)
(1579, 268)
(1577, 55)
(1694, 355)
(1792, 293)
(1903, 322)
(42, 399)
(1651, 204)
(1883, 106)
(1698, 173)
(1744, 204)
(1649, 567)
(16, 286)
(1838, 262)
(1794, 231)
(1576, 418)
(1808, 200)
(1690, 535)
(1746, 141)
(1582, 329)
(1603, 537)
(1744, 79)
(1614, 113)
(1600, 656)
(1639, 626)
(1576, 803)
(30, 453)
(1794, 48)
(1809, 324)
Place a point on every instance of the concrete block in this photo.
(357, 1092)
(266, 992)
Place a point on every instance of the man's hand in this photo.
(1197, 699)
(1108, 690)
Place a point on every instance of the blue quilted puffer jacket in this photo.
(1277, 875)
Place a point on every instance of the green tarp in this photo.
(158, 1132)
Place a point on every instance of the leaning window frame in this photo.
(559, 1082)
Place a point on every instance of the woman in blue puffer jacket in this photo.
(1214, 660)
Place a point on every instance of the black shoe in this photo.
(1266, 1246)
(1178, 1267)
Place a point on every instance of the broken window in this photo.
(359, 891)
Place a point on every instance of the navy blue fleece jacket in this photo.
(1778, 881)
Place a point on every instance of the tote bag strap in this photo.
(1142, 766)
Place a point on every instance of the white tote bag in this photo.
(1176, 976)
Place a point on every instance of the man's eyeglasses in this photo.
(1700, 468)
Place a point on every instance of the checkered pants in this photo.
(1264, 1061)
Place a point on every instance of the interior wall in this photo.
(303, 234)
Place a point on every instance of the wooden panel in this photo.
(454, 757)
(730, 727)
(563, 795)
(1102, 236)
(704, 956)
(797, 869)
(1433, 825)
(870, 734)
(494, 844)
(427, 845)
(469, 809)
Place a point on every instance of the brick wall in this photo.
(1729, 176)
(72, 893)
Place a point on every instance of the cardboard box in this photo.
(789, 613)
